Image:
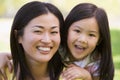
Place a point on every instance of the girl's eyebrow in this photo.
(93, 31)
(77, 26)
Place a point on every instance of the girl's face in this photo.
(83, 36)
(41, 38)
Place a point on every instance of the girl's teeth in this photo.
(79, 47)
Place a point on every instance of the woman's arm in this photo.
(5, 63)
(74, 72)
(96, 78)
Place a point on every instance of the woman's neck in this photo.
(39, 70)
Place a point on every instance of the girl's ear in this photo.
(16, 36)
(99, 41)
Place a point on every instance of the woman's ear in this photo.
(16, 36)
(15, 33)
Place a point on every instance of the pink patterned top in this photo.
(91, 65)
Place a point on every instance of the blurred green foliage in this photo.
(9, 7)
(115, 34)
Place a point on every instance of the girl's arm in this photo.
(5, 63)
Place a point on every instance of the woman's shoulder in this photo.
(9, 75)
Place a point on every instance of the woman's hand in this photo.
(73, 72)
(5, 63)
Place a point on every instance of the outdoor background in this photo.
(8, 9)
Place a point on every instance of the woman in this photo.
(34, 41)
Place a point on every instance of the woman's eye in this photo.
(78, 31)
(37, 31)
(54, 32)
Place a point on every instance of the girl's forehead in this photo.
(88, 24)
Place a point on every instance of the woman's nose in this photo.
(46, 38)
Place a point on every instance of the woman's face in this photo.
(41, 38)
(83, 36)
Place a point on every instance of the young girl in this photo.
(86, 44)
(34, 41)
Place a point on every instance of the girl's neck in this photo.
(72, 59)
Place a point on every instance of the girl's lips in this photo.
(79, 48)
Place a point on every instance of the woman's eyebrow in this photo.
(38, 26)
(53, 27)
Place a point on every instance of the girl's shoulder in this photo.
(91, 64)
(93, 68)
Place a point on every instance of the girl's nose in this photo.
(83, 39)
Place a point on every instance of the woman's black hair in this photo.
(25, 14)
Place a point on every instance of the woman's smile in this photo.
(44, 50)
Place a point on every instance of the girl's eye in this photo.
(92, 35)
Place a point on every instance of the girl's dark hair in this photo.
(23, 17)
(88, 10)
